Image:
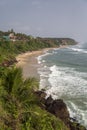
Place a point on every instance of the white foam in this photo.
(66, 83)
(39, 58)
(79, 50)
(39, 62)
(66, 80)
(43, 61)
(77, 113)
(54, 52)
(44, 75)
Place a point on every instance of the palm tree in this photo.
(17, 98)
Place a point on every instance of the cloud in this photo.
(2, 3)
(36, 3)
(19, 27)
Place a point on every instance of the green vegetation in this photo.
(9, 49)
(19, 107)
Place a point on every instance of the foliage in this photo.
(19, 107)
(8, 49)
(23, 43)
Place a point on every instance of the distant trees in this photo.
(6, 33)
(25, 43)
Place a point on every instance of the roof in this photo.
(6, 38)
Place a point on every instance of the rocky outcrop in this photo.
(59, 109)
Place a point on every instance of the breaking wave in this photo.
(64, 78)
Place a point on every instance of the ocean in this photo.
(63, 74)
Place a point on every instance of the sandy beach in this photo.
(29, 63)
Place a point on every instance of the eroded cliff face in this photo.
(59, 109)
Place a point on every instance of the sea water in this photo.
(63, 74)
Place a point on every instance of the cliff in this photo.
(59, 109)
(21, 107)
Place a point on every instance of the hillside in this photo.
(20, 43)
(22, 106)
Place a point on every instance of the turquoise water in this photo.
(63, 72)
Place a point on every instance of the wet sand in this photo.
(29, 63)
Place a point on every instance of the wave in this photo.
(66, 82)
(63, 81)
(78, 50)
(77, 113)
(39, 58)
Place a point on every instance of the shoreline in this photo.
(29, 63)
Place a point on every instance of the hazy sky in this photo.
(53, 18)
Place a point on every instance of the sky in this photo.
(45, 18)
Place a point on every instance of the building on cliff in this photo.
(12, 37)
